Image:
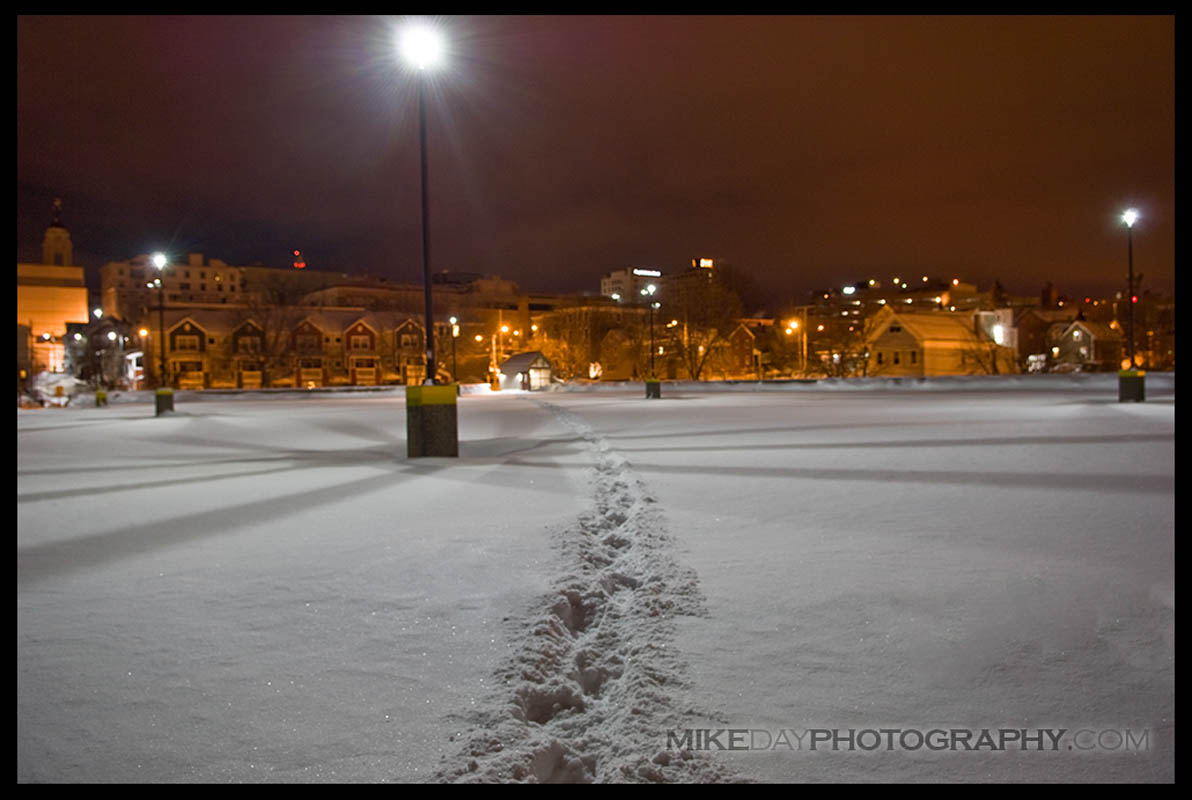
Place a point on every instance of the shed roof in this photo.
(521, 362)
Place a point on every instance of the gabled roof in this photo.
(210, 321)
(1049, 314)
(939, 326)
(521, 362)
(1098, 330)
(742, 327)
(929, 325)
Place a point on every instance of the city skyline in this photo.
(808, 151)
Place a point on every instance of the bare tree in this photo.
(273, 308)
(706, 310)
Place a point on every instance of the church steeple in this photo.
(56, 247)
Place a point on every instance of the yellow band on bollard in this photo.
(442, 395)
(165, 391)
(1131, 373)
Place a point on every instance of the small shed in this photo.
(528, 371)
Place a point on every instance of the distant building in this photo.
(50, 295)
(922, 293)
(627, 284)
(1084, 346)
(528, 371)
(1035, 336)
(932, 344)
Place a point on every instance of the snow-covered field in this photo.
(266, 589)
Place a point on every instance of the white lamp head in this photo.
(421, 45)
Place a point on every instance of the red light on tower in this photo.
(299, 261)
(1134, 298)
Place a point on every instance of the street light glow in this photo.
(421, 45)
(1130, 217)
(159, 260)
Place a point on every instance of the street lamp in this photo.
(1130, 217)
(653, 387)
(795, 325)
(431, 423)
(421, 47)
(454, 335)
(1131, 382)
(163, 398)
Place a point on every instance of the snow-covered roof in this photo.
(933, 326)
(1098, 330)
(522, 362)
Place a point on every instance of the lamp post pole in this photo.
(161, 328)
(427, 298)
(803, 352)
(1130, 296)
(652, 340)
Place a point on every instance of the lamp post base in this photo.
(1131, 386)
(163, 401)
(432, 427)
(654, 389)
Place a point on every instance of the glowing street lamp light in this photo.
(421, 46)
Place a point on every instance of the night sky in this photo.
(806, 151)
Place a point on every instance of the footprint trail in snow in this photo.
(595, 682)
